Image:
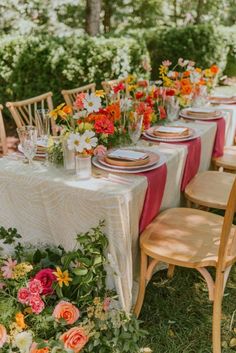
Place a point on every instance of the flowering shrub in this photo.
(52, 300)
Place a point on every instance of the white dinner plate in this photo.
(136, 170)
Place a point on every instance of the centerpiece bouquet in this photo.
(56, 301)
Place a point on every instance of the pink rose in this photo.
(23, 295)
(36, 303)
(46, 277)
(74, 339)
(3, 335)
(35, 286)
(106, 304)
(67, 311)
(100, 150)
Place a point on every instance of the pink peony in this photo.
(7, 269)
(46, 277)
(36, 303)
(23, 295)
(35, 286)
(3, 335)
(100, 150)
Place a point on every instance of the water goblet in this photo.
(43, 126)
(135, 127)
(28, 139)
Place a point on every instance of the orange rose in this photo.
(67, 311)
(3, 335)
(214, 69)
(186, 90)
(74, 339)
(34, 349)
(67, 109)
(185, 82)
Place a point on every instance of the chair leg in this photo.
(216, 324)
(171, 270)
(142, 284)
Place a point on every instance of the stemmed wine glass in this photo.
(43, 126)
(28, 140)
(135, 127)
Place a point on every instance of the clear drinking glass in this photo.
(172, 108)
(43, 126)
(28, 139)
(135, 127)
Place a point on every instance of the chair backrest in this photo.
(227, 242)
(3, 139)
(71, 94)
(108, 85)
(25, 112)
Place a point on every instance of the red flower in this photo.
(46, 277)
(23, 295)
(170, 92)
(162, 112)
(35, 286)
(139, 95)
(103, 125)
(119, 87)
(149, 101)
(36, 304)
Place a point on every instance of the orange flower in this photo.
(34, 349)
(20, 320)
(186, 90)
(185, 82)
(67, 311)
(114, 111)
(74, 339)
(186, 74)
(202, 82)
(198, 69)
(214, 69)
(67, 109)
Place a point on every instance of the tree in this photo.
(93, 10)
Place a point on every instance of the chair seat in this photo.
(228, 160)
(185, 237)
(210, 189)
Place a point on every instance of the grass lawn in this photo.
(177, 313)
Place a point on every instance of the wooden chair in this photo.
(194, 239)
(108, 85)
(70, 95)
(209, 189)
(3, 139)
(227, 161)
(24, 112)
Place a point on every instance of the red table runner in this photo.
(218, 149)
(154, 194)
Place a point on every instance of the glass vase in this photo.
(172, 108)
(83, 166)
(68, 156)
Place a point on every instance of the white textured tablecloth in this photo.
(50, 205)
(230, 119)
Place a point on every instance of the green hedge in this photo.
(33, 65)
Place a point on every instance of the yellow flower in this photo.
(132, 87)
(62, 277)
(20, 320)
(100, 93)
(208, 73)
(163, 69)
(167, 82)
(55, 112)
(20, 270)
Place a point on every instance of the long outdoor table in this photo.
(51, 206)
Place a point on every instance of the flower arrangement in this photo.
(52, 300)
(186, 80)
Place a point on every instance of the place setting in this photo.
(170, 133)
(201, 113)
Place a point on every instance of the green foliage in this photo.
(32, 65)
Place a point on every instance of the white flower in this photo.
(75, 142)
(195, 76)
(92, 103)
(23, 341)
(125, 104)
(183, 62)
(89, 139)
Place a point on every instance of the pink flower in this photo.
(183, 62)
(106, 304)
(119, 87)
(46, 277)
(166, 63)
(100, 150)
(23, 295)
(67, 311)
(3, 335)
(79, 101)
(36, 303)
(7, 269)
(35, 286)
